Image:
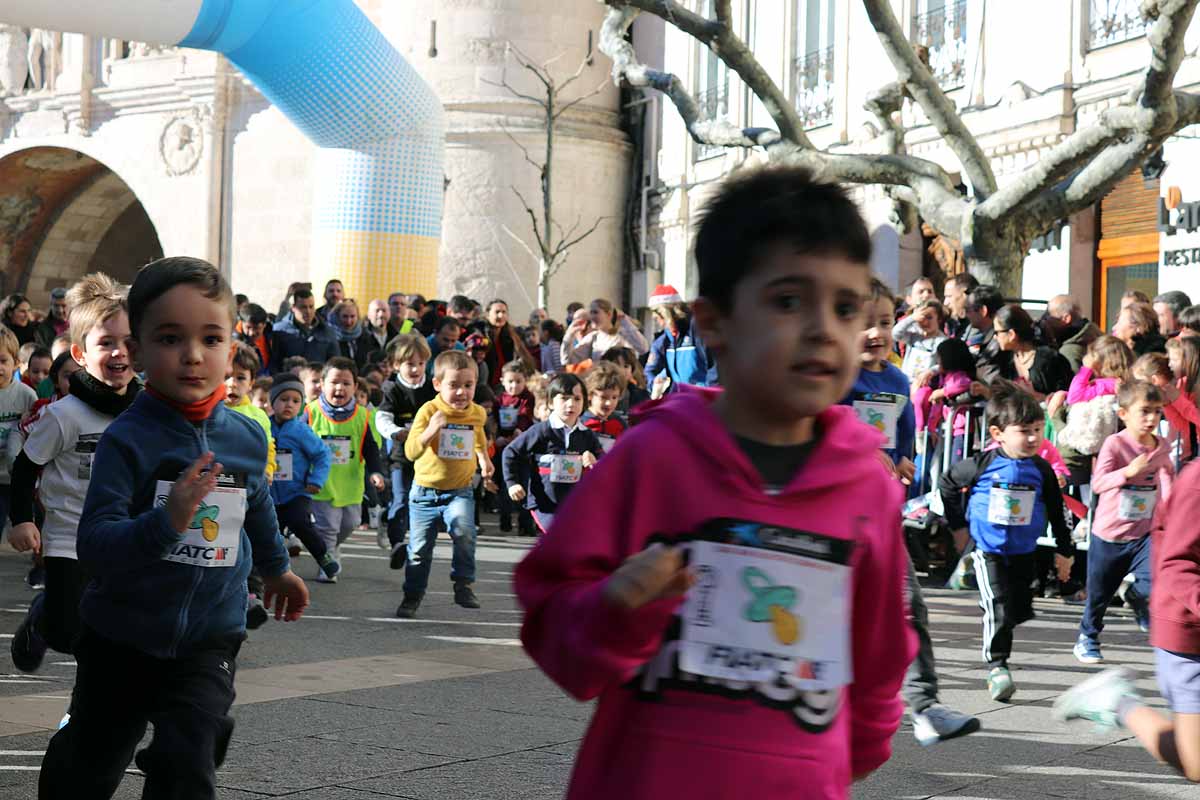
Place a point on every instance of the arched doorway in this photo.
(64, 214)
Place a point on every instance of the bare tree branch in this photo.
(528, 63)
(724, 12)
(565, 247)
(574, 76)
(524, 150)
(568, 106)
(537, 233)
(929, 96)
(506, 86)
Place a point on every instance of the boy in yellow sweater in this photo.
(445, 444)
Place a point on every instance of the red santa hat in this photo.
(664, 294)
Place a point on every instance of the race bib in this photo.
(1011, 504)
(212, 539)
(1137, 502)
(566, 468)
(508, 417)
(882, 412)
(456, 442)
(770, 604)
(606, 441)
(339, 448)
(85, 451)
(283, 465)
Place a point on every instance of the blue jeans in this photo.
(398, 509)
(1108, 564)
(456, 507)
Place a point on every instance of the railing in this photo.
(1113, 22)
(714, 104)
(944, 31)
(813, 79)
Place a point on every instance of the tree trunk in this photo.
(543, 290)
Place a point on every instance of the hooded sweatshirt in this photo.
(659, 731)
(1175, 568)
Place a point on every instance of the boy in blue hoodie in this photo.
(169, 528)
(302, 467)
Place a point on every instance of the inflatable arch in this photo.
(378, 205)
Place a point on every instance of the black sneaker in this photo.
(399, 556)
(464, 595)
(409, 605)
(506, 523)
(526, 526)
(256, 613)
(28, 648)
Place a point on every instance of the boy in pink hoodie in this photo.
(742, 619)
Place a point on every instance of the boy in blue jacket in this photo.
(302, 467)
(1006, 495)
(178, 510)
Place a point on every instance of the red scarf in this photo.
(194, 412)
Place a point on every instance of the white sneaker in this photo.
(323, 578)
(938, 723)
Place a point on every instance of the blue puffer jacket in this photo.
(136, 597)
(683, 357)
(311, 459)
(317, 343)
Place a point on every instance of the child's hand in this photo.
(436, 423)
(25, 537)
(1062, 481)
(401, 435)
(377, 481)
(906, 471)
(516, 493)
(977, 389)
(661, 383)
(922, 379)
(192, 487)
(1063, 565)
(290, 595)
(1136, 466)
(486, 468)
(655, 573)
(489, 485)
(1089, 361)
(937, 395)
(589, 460)
(312, 488)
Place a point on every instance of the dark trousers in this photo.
(296, 516)
(1006, 597)
(402, 477)
(118, 691)
(56, 612)
(1108, 564)
(920, 689)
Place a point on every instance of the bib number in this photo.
(508, 417)
(339, 448)
(456, 442)
(881, 412)
(283, 465)
(1137, 502)
(212, 538)
(566, 468)
(1011, 504)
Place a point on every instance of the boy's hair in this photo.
(1152, 365)
(291, 362)
(446, 322)
(880, 291)
(604, 376)
(953, 355)
(565, 383)
(985, 297)
(1190, 318)
(262, 384)
(314, 366)
(253, 314)
(453, 359)
(1132, 392)
(407, 345)
(1189, 360)
(246, 358)
(1012, 405)
(9, 344)
(339, 363)
(57, 365)
(361, 385)
(516, 367)
(628, 357)
(27, 350)
(1113, 357)
(766, 206)
(159, 277)
(95, 299)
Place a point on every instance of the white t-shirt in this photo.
(63, 442)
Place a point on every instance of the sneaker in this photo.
(526, 527)
(1097, 698)
(1087, 650)
(330, 566)
(323, 578)
(36, 579)
(1143, 620)
(256, 613)
(409, 605)
(399, 555)
(28, 648)
(464, 595)
(963, 579)
(381, 535)
(293, 546)
(938, 723)
(1000, 685)
(506, 523)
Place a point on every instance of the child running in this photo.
(740, 612)
(513, 416)
(167, 534)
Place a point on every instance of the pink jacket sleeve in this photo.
(1109, 471)
(1084, 388)
(1054, 458)
(921, 407)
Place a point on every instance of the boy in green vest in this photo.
(348, 430)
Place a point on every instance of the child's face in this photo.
(39, 370)
(312, 384)
(532, 338)
(106, 352)
(338, 386)
(1175, 359)
(1141, 418)
(603, 403)
(1019, 441)
(513, 382)
(362, 398)
(541, 411)
(287, 406)
(568, 407)
(8, 366)
(237, 385)
(876, 338)
(412, 369)
(261, 398)
(456, 387)
(927, 320)
(69, 368)
(185, 344)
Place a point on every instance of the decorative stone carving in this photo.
(181, 144)
(43, 57)
(14, 60)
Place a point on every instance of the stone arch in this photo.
(63, 214)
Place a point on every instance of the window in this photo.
(1113, 22)
(712, 86)
(941, 25)
(812, 70)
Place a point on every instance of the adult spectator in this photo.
(1073, 331)
(571, 309)
(334, 294)
(603, 328)
(285, 307)
(991, 361)
(301, 332)
(447, 337)
(17, 314)
(1137, 326)
(462, 308)
(957, 289)
(1040, 370)
(55, 324)
(678, 356)
(1167, 307)
(354, 342)
(1189, 321)
(253, 331)
(1132, 296)
(416, 304)
(377, 326)
(504, 343)
(551, 335)
(401, 317)
(537, 317)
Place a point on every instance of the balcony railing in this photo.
(813, 79)
(944, 31)
(714, 104)
(1113, 22)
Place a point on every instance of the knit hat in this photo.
(284, 382)
(664, 294)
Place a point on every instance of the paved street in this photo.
(352, 704)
